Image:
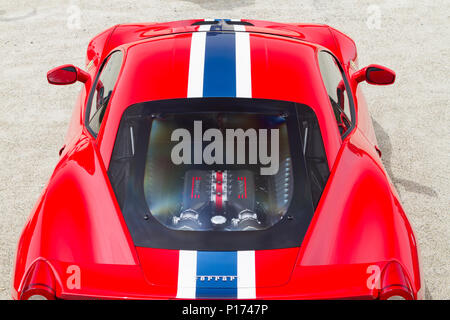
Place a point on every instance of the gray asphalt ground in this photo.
(411, 117)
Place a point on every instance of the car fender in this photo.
(77, 219)
(359, 218)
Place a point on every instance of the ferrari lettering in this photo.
(216, 278)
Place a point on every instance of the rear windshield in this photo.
(214, 174)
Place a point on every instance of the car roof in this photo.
(279, 68)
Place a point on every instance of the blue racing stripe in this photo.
(220, 65)
(216, 274)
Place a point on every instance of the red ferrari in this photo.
(219, 159)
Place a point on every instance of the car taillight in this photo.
(39, 283)
(394, 283)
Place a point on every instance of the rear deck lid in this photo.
(217, 274)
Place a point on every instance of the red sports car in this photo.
(219, 159)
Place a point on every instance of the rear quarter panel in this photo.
(76, 220)
(359, 218)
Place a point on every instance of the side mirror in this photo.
(67, 74)
(375, 74)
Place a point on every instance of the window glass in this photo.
(217, 173)
(103, 89)
(225, 186)
(336, 89)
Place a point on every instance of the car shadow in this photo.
(385, 145)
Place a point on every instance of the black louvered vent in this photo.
(239, 23)
(200, 23)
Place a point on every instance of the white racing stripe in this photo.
(246, 275)
(187, 269)
(197, 62)
(196, 65)
(238, 27)
(205, 27)
(187, 274)
(243, 65)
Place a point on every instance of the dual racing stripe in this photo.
(216, 275)
(219, 63)
(219, 66)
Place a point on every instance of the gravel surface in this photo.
(411, 118)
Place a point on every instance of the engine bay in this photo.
(233, 200)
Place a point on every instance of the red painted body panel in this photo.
(274, 78)
(359, 221)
